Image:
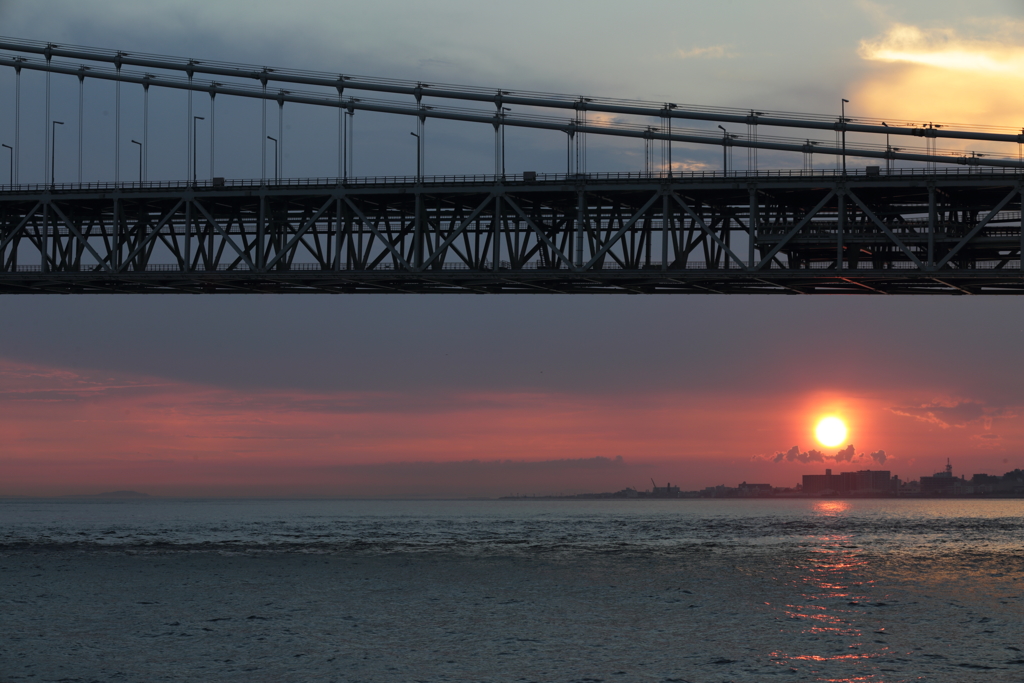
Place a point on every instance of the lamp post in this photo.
(194, 120)
(136, 142)
(11, 181)
(274, 140)
(725, 161)
(53, 146)
(843, 121)
(418, 155)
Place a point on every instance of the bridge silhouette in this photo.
(950, 223)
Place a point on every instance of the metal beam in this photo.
(885, 228)
(421, 111)
(575, 103)
(460, 239)
(978, 228)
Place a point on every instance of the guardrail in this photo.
(479, 179)
(993, 264)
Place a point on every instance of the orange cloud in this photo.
(942, 75)
(946, 49)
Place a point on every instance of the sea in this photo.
(698, 591)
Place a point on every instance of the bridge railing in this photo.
(523, 179)
(1012, 264)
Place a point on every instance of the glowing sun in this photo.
(830, 431)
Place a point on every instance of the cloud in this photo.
(946, 414)
(848, 454)
(944, 48)
(917, 69)
(987, 441)
(710, 52)
(689, 166)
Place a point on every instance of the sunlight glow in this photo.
(831, 431)
(916, 69)
(944, 49)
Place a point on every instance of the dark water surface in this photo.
(689, 590)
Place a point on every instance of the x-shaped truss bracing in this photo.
(872, 235)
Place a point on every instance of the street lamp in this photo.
(725, 138)
(274, 140)
(418, 155)
(53, 146)
(136, 142)
(11, 181)
(194, 119)
(843, 121)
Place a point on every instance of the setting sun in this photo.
(830, 431)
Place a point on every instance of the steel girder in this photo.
(919, 235)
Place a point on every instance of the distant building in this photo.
(866, 481)
(755, 490)
(986, 483)
(720, 491)
(821, 484)
(666, 491)
(941, 483)
(863, 482)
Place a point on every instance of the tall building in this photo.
(940, 483)
(864, 482)
(818, 484)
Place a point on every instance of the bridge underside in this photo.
(920, 234)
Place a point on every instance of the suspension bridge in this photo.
(909, 218)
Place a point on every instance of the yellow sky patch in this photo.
(945, 49)
(939, 75)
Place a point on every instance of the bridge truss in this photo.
(914, 232)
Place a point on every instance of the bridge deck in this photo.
(784, 233)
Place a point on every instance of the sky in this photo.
(444, 396)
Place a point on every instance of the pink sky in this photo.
(69, 432)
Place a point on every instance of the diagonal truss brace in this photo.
(223, 233)
(978, 228)
(610, 242)
(377, 233)
(797, 228)
(710, 233)
(302, 231)
(100, 262)
(24, 221)
(540, 233)
(152, 235)
(456, 232)
(885, 228)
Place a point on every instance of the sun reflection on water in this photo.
(833, 623)
(831, 508)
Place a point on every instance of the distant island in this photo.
(124, 495)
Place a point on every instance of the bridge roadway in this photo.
(913, 232)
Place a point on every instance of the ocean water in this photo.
(686, 590)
